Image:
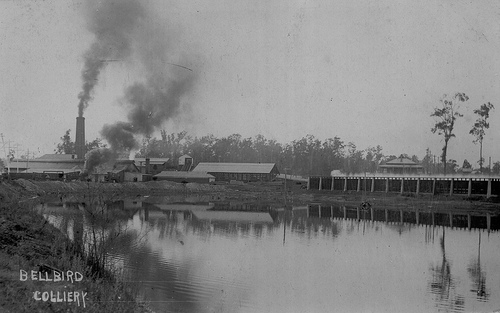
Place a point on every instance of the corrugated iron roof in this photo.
(178, 174)
(401, 161)
(47, 166)
(152, 161)
(258, 168)
(57, 157)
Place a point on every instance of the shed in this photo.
(188, 177)
(119, 171)
(153, 165)
(239, 171)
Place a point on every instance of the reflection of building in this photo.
(234, 216)
(400, 166)
(239, 171)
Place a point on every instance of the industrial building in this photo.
(119, 171)
(246, 172)
(153, 166)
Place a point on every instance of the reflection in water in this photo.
(478, 276)
(443, 283)
(233, 257)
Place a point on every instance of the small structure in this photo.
(185, 177)
(153, 166)
(400, 166)
(118, 172)
(246, 172)
(185, 163)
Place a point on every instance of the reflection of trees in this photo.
(477, 276)
(443, 285)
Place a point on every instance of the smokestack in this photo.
(80, 138)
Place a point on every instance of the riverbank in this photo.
(42, 271)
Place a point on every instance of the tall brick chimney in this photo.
(80, 137)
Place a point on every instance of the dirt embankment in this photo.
(32, 251)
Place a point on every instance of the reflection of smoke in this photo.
(112, 23)
(97, 156)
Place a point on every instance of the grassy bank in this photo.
(30, 245)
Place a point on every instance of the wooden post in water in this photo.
(345, 212)
(451, 187)
(434, 186)
(387, 185)
(488, 221)
(345, 184)
(401, 216)
(309, 183)
(402, 185)
(488, 192)
(417, 217)
(333, 184)
(433, 220)
(359, 184)
(386, 215)
(373, 185)
(469, 221)
(371, 214)
(358, 215)
(320, 183)
(418, 186)
(469, 188)
(451, 220)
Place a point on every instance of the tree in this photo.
(446, 115)
(66, 146)
(479, 128)
(496, 168)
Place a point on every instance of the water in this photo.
(205, 257)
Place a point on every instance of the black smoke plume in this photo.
(97, 156)
(150, 105)
(113, 24)
(127, 29)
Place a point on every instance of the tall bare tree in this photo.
(446, 115)
(479, 128)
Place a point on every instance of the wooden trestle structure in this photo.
(452, 185)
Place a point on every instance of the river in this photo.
(209, 256)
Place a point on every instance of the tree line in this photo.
(310, 155)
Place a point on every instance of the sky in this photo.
(369, 72)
